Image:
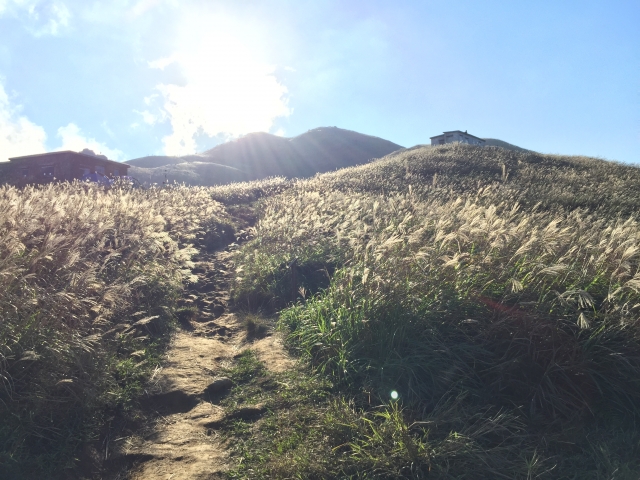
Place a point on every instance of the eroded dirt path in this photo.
(175, 438)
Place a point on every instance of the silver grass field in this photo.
(497, 293)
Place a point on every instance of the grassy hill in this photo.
(494, 142)
(195, 173)
(262, 155)
(495, 292)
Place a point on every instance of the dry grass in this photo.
(505, 283)
(497, 292)
(78, 266)
(248, 192)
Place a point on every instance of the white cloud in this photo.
(148, 100)
(162, 63)
(142, 7)
(116, 12)
(228, 91)
(73, 139)
(18, 135)
(49, 17)
(148, 117)
(41, 17)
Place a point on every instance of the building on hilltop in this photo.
(60, 166)
(456, 136)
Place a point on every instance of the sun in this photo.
(228, 89)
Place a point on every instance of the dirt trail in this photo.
(175, 440)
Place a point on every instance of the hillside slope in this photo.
(552, 181)
(155, 161)
(260, 155)
(190, 173)
(476, 308)
(494, 142)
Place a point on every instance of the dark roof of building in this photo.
(66, 152)
(458, 131)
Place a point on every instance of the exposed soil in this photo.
(175, 437)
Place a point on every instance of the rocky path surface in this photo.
(176, 439)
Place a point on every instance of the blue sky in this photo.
(133, 78)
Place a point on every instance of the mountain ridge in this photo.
(259, 155)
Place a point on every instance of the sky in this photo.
(130, 78)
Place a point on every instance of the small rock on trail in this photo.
(218, 386)
(173, 401)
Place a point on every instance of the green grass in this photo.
(247, 367)
(496, 291)
(313, 430)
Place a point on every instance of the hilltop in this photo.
(494, 142)
(260, 155)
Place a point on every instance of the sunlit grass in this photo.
(496, 293)
(506, 284)
(78, 266)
